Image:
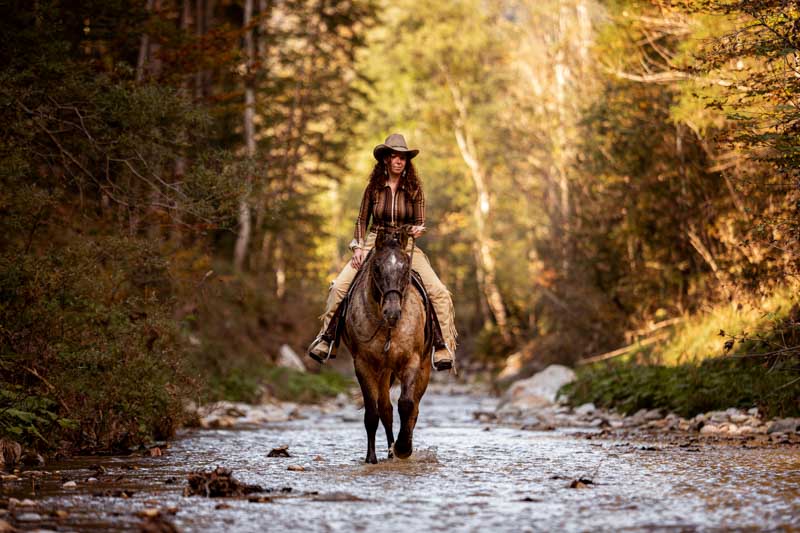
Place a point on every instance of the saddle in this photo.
(433, 331)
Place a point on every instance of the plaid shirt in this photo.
(404, 208)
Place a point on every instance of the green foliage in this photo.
(87, 334)
(690, 388)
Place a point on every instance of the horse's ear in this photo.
(380, 239)
(403, 235)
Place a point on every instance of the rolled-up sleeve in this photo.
(362, 221)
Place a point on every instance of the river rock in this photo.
(784, 425)
(69, 485)
(709, 429)
(5, 527)
(29, 517)
(585, 409)
(288, 358)
(540, 389)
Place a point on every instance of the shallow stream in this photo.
(464, 475)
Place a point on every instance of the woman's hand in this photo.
(417, 231)
(358, 258)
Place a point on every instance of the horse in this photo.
(385, 333)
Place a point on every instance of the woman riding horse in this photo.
(393, 198)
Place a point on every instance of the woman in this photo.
(392, 198)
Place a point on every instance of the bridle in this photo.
(401, 293)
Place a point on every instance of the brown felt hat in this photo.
(395, 143)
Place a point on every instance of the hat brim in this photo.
(381, 148)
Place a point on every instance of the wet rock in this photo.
(69, 485)
(539, 390)
(709, 429)
(280, 451)
(8, 477)
(260, 499)
(115, 493)
(32, 459)
(585, 409)
(484, 416)
(10, 453)
(14, 502)
(338, 497)
(580, 483)
(784, 425)
(296, 468)
(217, 483)
(29, 517)
(155, 451)
(288, 358)
(156, 522)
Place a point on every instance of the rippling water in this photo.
(461, 477)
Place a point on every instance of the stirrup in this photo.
(316, 343)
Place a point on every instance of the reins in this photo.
(387, 345)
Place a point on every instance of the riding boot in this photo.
(443, 359)
(319, 350)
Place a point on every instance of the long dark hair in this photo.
(379, 173)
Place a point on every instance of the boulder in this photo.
(288, 358)
(540, 389)
(784, 425)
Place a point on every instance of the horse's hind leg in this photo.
(385, 410)
(369, 390)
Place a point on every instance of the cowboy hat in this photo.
(396, 143)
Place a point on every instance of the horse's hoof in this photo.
(371, 460)
(401, 452)
(391, 451)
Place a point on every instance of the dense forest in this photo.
(180, 179)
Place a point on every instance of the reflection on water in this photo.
(461, 476)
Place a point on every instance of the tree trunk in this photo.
(245, 226)
(486, 265)
(144, 48)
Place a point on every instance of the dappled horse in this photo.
(385, 333)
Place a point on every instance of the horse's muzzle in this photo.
(391, 310)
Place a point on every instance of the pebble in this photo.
(29, 517)
(585, 409)
(69, 485)
(296, 468)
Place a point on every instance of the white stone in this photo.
(288, 358)
(585, 409)
(69, 485)
(709, 429)
(540, 389)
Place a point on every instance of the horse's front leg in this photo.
(385, 410)
(408, 406)
(369, 390)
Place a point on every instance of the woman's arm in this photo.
(418, 212)
(362, 221)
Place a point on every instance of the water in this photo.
(461, 477)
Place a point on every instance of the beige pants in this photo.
(439, 295)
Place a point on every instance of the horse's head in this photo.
(390, 268)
